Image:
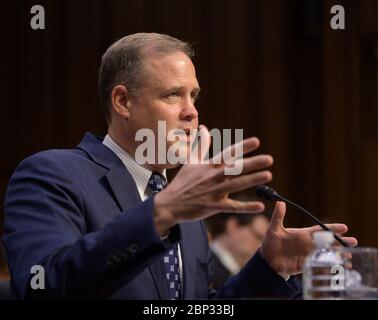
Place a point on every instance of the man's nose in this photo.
(189, 111)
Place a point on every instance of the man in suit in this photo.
(93, 217)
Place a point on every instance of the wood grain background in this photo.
(272, 67)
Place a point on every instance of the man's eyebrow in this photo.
(196, 90)
(175, 88)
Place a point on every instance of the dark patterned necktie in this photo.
(157, 183)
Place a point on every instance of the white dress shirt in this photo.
(225, 256)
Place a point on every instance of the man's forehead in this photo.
(177, 61)
(170, 68)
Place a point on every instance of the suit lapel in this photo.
(126, 194)
(123, 186)
(188, 260)
(158, 274)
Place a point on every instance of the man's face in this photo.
(247, 238)
(168, 93)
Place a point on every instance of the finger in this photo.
(255, 163)
(276, 222)
(239, 148)
(243, 182)
(338, 228)
(201, 149)
(235, 206)
(350, 241)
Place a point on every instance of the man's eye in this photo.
(172, 95)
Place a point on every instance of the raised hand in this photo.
(200, 190)
(285, 249)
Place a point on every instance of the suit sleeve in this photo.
(258, 280)
(45, 225)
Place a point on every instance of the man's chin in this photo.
(162, 167)
(172, 166)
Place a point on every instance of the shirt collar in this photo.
(225, 256)
(140, 174)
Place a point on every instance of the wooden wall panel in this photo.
(271, 67)
(334, 118)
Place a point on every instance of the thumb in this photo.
(278, 216)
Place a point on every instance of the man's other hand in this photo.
(285, 249)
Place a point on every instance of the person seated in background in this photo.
(235, 239)
(4, 273)
(5, 292)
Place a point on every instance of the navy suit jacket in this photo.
(78, 214)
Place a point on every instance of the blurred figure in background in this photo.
(4, 273)
(5, 292)
(234, 238)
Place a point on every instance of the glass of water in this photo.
(357, 276)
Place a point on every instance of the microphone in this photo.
(268, 193)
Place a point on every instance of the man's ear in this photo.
(120, 97)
